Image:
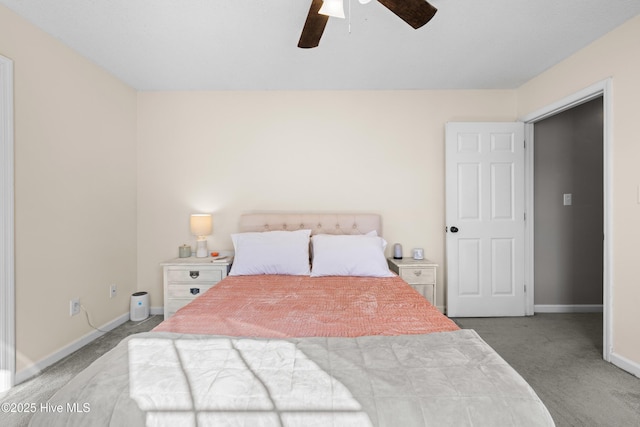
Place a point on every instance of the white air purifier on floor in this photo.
(139, 306)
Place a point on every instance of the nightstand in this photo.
(420, 274)
(187, 278)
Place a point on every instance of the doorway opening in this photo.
(581, 216)
(568, 211)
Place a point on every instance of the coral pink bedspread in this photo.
(274, 306)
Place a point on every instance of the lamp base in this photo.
(202, 251)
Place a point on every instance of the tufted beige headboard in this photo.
(317, 223)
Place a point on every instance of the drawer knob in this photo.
(417, 272)
(194, 274)
(194, 291)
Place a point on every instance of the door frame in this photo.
(602, 88)
(7, 247)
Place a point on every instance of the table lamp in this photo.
(201, 226)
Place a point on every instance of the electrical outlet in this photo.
(113, 291)
(74, 306)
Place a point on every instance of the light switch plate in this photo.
(566, 199)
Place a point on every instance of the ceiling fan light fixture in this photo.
(333, 8)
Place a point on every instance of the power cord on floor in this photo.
(86, 314)
(145, 320)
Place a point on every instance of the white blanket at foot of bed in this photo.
(166, 379)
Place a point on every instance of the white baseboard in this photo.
(567, 308)
(37, 367)
(154, 311)
(625, 364)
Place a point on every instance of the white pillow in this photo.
(271, 252)
(375, 233)
(349, 255)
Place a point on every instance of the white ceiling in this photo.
(252, 44)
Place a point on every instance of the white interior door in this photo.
(485, 219)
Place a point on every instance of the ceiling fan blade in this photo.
(414, 12)
(313, 26)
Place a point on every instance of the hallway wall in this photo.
(568, 239)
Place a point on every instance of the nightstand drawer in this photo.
(196, 275)
(187, 278)
(418, 276)
(186, 290)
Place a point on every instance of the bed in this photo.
(340, 341)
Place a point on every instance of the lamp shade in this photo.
(333, 8)
(201, 224)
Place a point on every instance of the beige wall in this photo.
(615, 55)
(75, 190)
(234, 152)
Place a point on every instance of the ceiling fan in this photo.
(414, 12)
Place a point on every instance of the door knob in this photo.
(454, 229)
